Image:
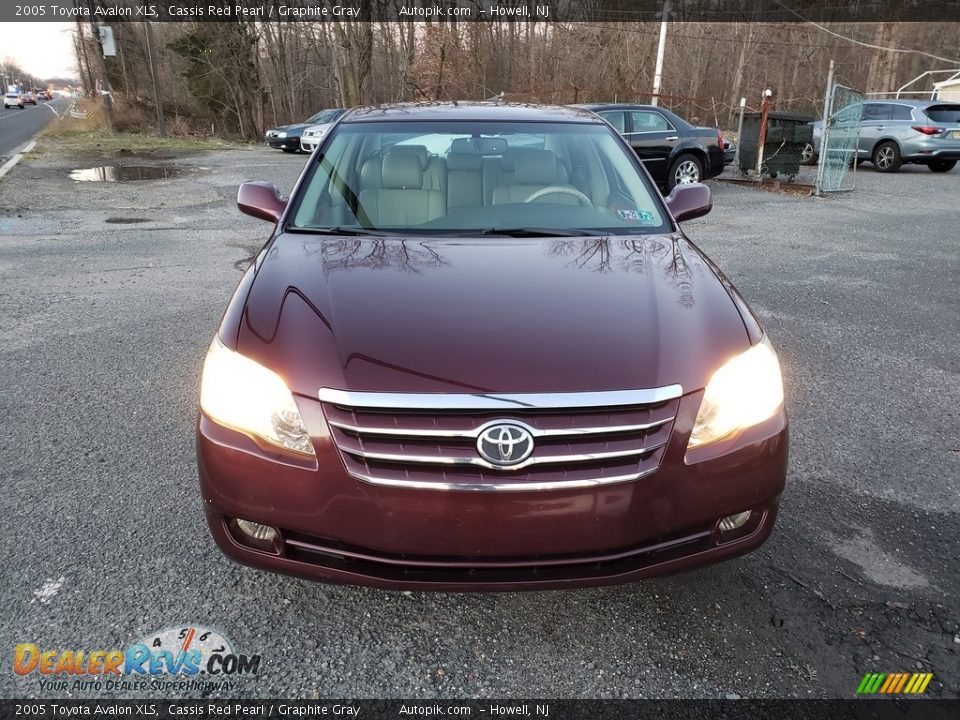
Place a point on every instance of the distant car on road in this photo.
(673, 151)
(13, 99)
(29, 97)
(287, 137)
(313, 134)
(894, 132)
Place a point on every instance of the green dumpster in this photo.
(787, 134)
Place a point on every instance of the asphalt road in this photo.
(103, 326)
(18, 127)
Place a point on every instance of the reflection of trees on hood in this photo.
(635, 257)
(348, 253)
(678, 270)
(594, 252)
(603, 255)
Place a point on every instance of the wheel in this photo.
(941, 166)
(685, 169)
(886, 157)
(808, 155)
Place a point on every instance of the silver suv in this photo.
(894, 132)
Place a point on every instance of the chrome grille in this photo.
(429, 441)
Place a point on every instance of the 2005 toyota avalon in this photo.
(478, 353)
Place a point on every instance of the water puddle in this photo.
(128, 173)
(142, 154)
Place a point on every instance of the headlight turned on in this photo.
(745, 391)
(243, 395)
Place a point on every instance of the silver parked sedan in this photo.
(894, 132)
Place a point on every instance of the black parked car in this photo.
(673, 151)
(287, 137)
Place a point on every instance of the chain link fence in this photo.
(839, 135)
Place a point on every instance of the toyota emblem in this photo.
(505, 444)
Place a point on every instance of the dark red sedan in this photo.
(478, 353)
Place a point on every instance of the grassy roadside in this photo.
(87, 136)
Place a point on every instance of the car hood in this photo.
(317, 128)
(295, 128)
(498, 314)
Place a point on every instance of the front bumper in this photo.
(338, 529)
(288, 143)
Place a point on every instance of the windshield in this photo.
(324, 116)
(463, 178)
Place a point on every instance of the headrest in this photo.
(370, 172)
(402, 171)
(420, 151)
(464, 161)
(531, 166)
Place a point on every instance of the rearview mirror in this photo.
(689, 201)
(261, 200)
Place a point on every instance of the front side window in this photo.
(465, 178)
(850, 114)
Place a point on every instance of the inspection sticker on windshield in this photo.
(637, 216)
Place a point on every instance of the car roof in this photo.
(904, 101)
(503, 112)
(593, 107)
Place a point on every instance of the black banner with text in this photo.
(488, 709)
(112, 11)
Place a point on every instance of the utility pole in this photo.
(661, 46)
(762, 138)
(161, 128)
(106, 96)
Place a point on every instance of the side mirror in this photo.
(689, 201)
(261, 200)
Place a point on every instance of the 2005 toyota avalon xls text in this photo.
(478, 353)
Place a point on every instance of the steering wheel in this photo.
(560, 190)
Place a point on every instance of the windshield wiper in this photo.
(519, 232)
(538, 232)
(339, 231)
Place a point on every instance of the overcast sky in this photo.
(43, 49)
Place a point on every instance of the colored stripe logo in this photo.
(894, 683)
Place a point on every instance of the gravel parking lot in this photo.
(110, 293)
